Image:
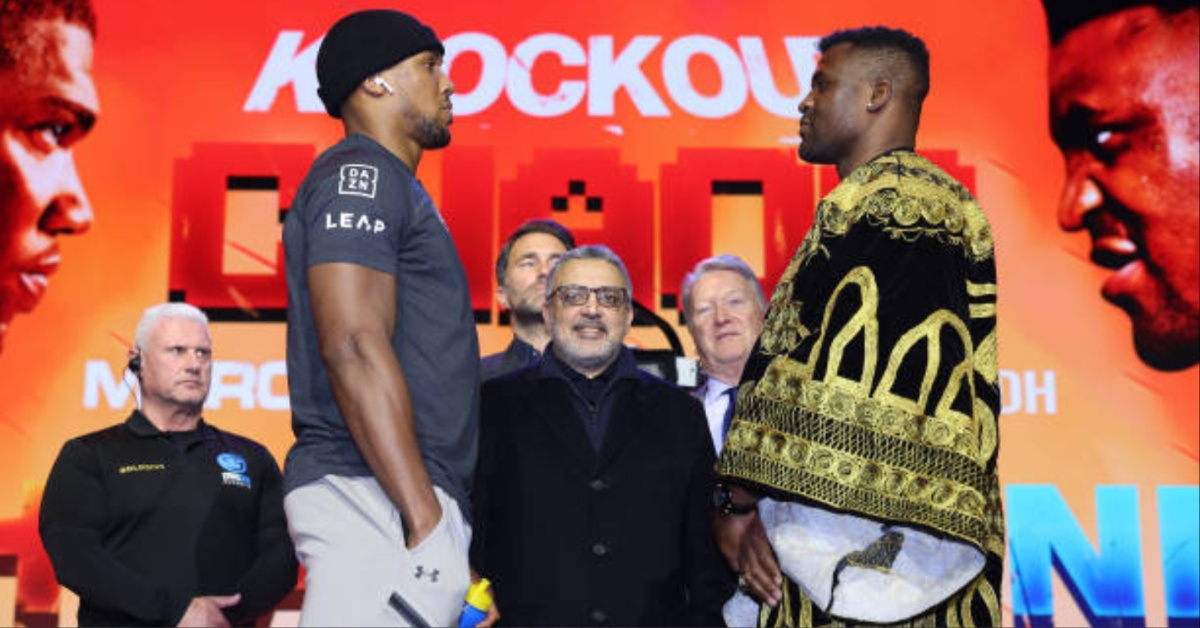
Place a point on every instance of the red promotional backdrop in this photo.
(665, 129)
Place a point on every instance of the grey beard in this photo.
(585, 363)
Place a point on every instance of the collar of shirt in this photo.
(716, 403)
(142, 427)
(591, 389)
(714, 389)
(521, 352)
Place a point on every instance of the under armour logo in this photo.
(433, 575)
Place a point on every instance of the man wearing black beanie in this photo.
(383, 359)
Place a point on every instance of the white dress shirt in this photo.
(712, 393)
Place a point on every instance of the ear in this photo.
(881, 93)
(375, 85)
(502, 298)
(135, 362)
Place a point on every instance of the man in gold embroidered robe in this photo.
(859, 480)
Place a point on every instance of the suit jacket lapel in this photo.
(629, 415)
(551, 401)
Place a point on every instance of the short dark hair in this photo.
(538, 225)
(896, 45)
(16, 14)
(1063, 16)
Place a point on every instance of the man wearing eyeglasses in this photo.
(593, 490)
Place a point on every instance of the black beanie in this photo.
(362, 44)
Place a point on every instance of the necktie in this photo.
(732, 394)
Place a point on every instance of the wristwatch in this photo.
(723, 501)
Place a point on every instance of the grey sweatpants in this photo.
(349, 537)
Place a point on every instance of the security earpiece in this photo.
(135, 363)
(384, 84)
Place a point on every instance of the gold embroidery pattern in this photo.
(995, 510)
(864, 322)
(981, 289)
(802, 451)
(987, 362)
(820, 422)
(928, 333)
(783, 331)
(787, 380)
(933, 205)
(951, 434)
(958, 608)
(786, 331)
(983, 310)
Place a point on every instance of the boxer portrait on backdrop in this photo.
(48, 103)
(1125, 113)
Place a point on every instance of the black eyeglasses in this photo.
(607, 296)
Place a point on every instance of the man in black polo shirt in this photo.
(164, 520)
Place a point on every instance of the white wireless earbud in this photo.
(384, 84)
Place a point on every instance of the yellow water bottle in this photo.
(479, 600)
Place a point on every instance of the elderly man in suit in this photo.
(723, 305)
(593, 490)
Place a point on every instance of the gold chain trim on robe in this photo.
(787, 448)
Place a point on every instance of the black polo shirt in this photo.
(138, 521)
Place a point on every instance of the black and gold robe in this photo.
(873, 390)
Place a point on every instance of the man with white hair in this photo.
(165, 520)
(723, 306)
